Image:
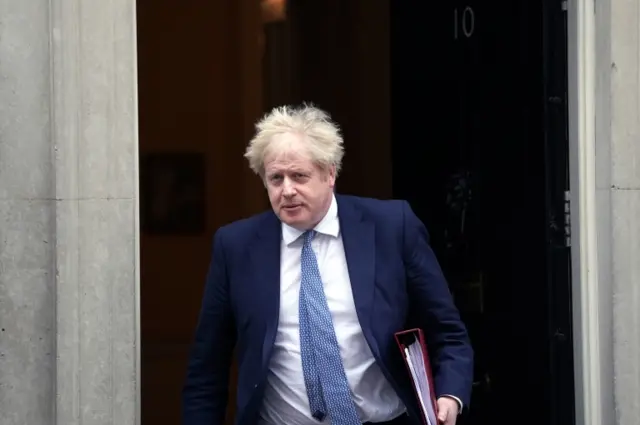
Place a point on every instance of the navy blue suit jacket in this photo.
(396, 283)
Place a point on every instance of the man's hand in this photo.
(447, 411)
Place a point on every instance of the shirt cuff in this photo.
(460, 405)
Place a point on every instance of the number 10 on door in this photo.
(464, 22)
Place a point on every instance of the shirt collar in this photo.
(329, 225)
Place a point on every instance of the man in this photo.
(311, 294)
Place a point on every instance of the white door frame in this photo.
(588, 299)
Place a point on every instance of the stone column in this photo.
(69, 339)
(618, 202)
(625, 206)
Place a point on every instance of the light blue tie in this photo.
(324, 376)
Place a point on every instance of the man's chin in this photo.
(295, 222)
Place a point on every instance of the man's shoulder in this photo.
(246, 227)
(384, 207)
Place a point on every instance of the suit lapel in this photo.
(265, 261)
(358, 238)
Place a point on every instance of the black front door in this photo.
(479, 150)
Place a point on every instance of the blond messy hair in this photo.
(320, 134)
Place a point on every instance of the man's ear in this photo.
(332, 175)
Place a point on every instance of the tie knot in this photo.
(308, 236)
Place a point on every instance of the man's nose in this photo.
(289, 188)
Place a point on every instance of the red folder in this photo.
(413, 347)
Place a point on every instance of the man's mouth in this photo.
(291, 206)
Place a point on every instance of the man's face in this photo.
(300, 192)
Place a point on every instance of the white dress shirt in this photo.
(285, 399)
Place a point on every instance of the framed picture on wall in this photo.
(173, 193)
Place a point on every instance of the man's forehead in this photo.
(288, 159)
(282, 165)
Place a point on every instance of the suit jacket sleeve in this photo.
(205, 393)
(433, 310)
